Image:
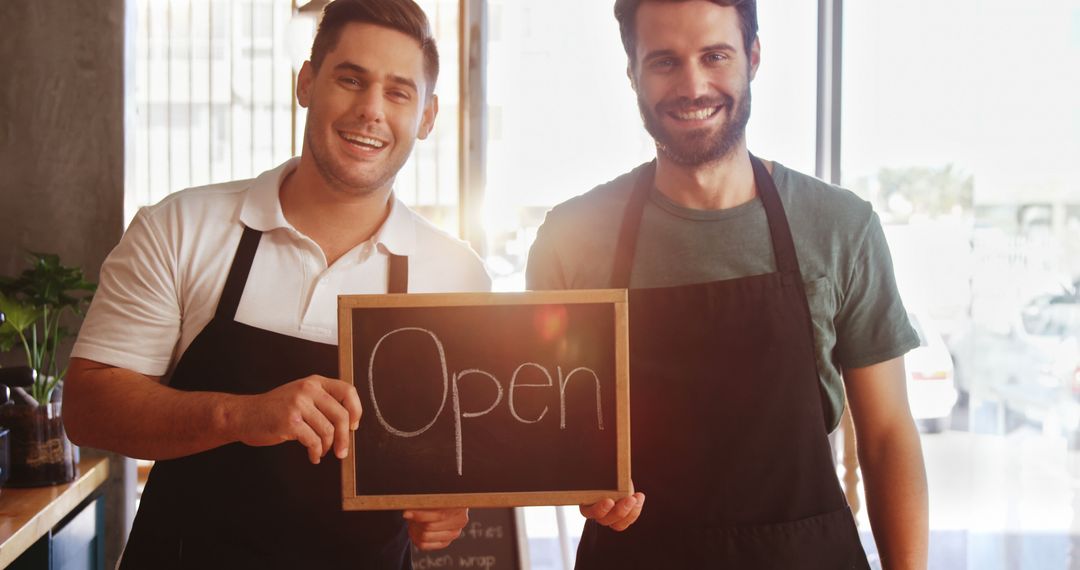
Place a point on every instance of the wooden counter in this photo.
(28, 514)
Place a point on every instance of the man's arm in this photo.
(135, 415)
(892, 463)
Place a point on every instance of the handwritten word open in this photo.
(450, 387)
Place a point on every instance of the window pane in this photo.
(429, 180)
(562, 118)
(783, 121)
(961, 124)
(212, 94)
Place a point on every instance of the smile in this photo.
(364, 142)
(695, 115)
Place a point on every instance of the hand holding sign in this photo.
(316, 411)
(617, 515)
(432, 529)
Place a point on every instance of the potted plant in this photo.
(34, 304)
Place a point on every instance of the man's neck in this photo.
(336, 220)
(718, 185)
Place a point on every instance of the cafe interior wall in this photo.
(62, 157)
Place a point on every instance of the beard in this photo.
(343, 178)
(699, 146)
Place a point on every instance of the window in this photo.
(212, 94)
(961, 125)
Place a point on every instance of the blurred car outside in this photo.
(931, 384)
(1029, 366)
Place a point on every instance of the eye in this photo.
(716, 57)
(351, 82)
(399, 95)
(662, 64)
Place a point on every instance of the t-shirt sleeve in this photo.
(134, 320)
(544, 270)
(872, 325)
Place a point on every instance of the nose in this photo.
(693, 81)
(369, 104)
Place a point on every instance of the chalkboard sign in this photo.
(486, 399)
(489, 542)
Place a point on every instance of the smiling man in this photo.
(211, 344)
(758, 295)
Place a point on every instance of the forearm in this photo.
(132, 414)
(896, 496)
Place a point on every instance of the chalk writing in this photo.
(371, 384)
(451, 385)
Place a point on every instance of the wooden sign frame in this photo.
(617, 297)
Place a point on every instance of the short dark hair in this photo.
(626, 13)
(404, 16)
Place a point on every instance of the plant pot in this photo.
(41, 453)
(22, 376)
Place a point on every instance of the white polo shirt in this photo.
(161, 284)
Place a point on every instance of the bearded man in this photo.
(758, 297)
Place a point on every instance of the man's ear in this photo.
(427, 121)
(630, 76)
(755, 57)
(304, 82)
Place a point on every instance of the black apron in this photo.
(239, 506)
(728, 437)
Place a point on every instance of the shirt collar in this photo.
(262, 211)
(262, 206)
(398, 233)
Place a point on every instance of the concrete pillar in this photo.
(62, 155)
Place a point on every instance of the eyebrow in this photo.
(398, 79)
(722, 46)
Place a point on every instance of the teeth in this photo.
(363, 140)
(699, 115)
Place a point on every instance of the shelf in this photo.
(27, 514)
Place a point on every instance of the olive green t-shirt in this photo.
(858, 316)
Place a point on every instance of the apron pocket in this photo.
(829, 540)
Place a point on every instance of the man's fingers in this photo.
(597, 510)
(338, 417)
(431, 545)
(425, 538)
(632, 516)
(437, 519)
(431, 529)
(618, 512)
(346, 395)
(309, 439)
(446, 536)
(318, 422)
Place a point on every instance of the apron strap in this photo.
(787, 263)
(399, 274)
(238, 274)
(631, 223)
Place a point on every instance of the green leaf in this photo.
(20, 316)
(8, 337)
(45, 289)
